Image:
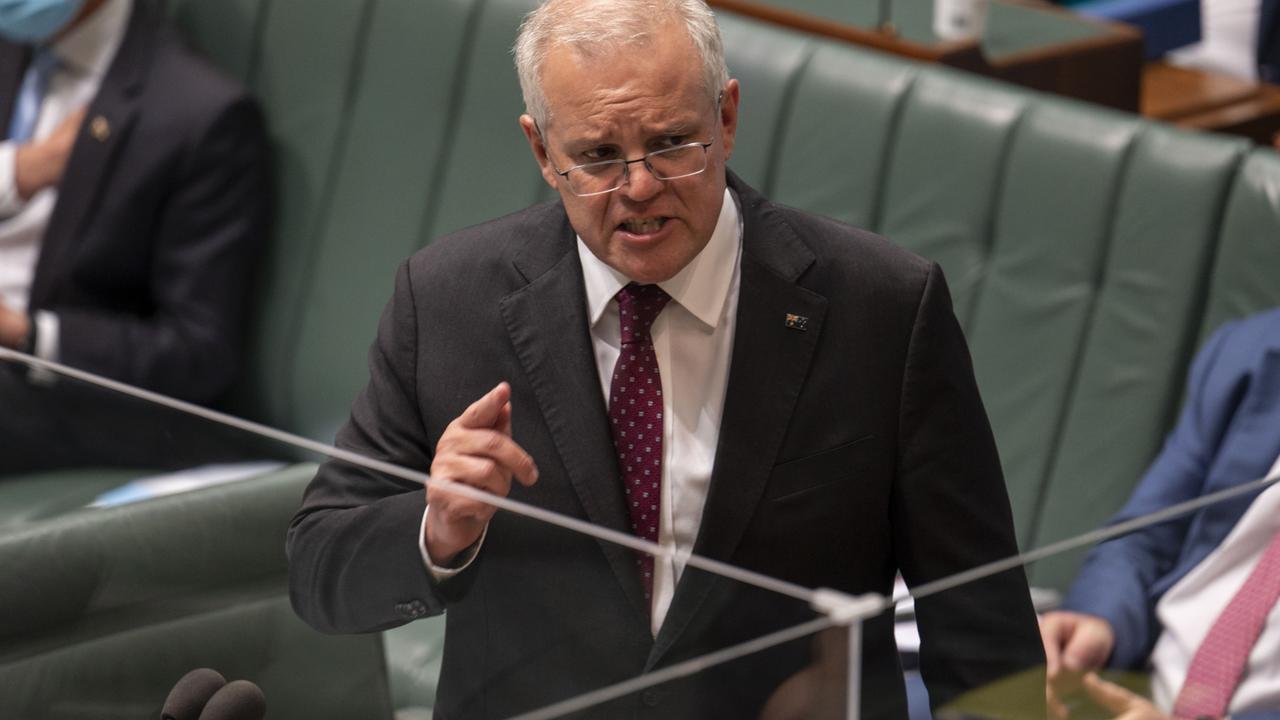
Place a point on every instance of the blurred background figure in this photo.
(1150, 598)
(1240, 38)
(133, 196)
(134, 199)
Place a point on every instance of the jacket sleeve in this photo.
(354, 558)
(951, 514)
(1117, 577)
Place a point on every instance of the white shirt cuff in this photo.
(47, 327)
(46, 348)
(10, 203)
(461, 562)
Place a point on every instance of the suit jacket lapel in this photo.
(548, 324)
(769, 363)
(107, 124)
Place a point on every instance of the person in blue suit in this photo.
(1118, 612)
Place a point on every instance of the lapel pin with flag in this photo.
(797, 322)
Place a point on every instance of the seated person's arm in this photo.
(38, 165)
(31, 167)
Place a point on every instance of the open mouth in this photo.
(645, 226)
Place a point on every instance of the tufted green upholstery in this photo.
(1248, 250)
(1089, 253)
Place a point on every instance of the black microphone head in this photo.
(239, 700)
(189, 695)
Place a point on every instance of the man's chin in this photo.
(647, 270)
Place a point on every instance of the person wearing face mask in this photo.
(134, 201)
(133, 196)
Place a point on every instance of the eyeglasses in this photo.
(598, 178)
(602, 177)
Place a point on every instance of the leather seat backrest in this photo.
(1244, 267)
(393, 122)
(1147, 303)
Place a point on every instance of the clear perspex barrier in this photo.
(142, 537)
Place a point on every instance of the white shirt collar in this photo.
(91, 46)
(701, 287)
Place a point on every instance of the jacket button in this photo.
(412, 610)
(650, 698)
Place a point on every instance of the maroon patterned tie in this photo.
(635, 414)
(1219, 662)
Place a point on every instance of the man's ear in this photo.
(539, 149)
(729, 116)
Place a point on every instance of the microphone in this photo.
(237, 700)
(189, 696)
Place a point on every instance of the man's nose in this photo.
(640, 183)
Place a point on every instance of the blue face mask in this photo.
(35, 21)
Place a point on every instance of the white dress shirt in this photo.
(1189, 608)
(694, 332)
(1229, 39)
(84, 54)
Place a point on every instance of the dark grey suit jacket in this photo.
(162, 212)
(849, 449)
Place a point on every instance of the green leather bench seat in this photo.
(1089, 253)
(40, 496)
(103, 610)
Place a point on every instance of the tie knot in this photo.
(638, 307)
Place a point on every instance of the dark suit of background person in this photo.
(849, 449)
(161, 213)
(1228, 433)
(1269, 41)
(162, 208)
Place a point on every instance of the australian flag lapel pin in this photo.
(797, 322)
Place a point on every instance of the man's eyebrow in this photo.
(589, 138)
(678, 126)
(594, 138)
(683, 128)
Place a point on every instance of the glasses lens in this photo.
(596, 177)
(678, 162)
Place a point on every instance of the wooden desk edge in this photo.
(966, 54)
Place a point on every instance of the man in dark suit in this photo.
(1115, 614)
(662, 351)
(146, 209)
(134, 202)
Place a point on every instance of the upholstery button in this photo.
(650, 698)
